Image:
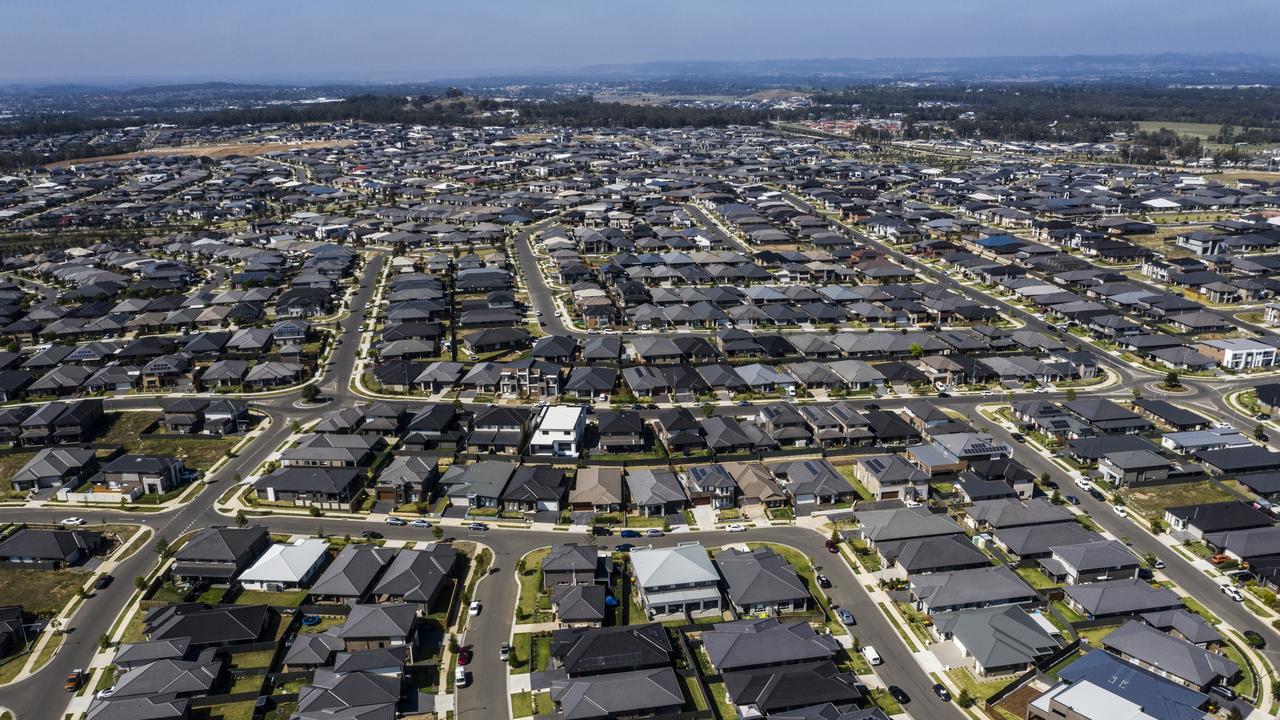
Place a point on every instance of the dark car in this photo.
(1073, 499)
(898, 694)
(941, 691)
(464, 656)
(629, 534)
(623, 547)
(1018, 437)
(872, 406)
(1096, 494)
(102, 582)
(831, 546)
(944, 394)
(824, 581)
(1223, 691)
(600, 530)
(371, 535)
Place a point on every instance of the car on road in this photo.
(831, 546)
(419, 523)
(474, 608)
(464, 656)
(600, 530)
(478, 526)
(460, 677)
(102, 582)
(1018, 437)
(745, 403)
(1096, 494)
(73, 521)
(1233, 592)
(898, 694)
(872, 406)
(846, 617)
(371, 535)
(653, 532)
(629, 534)
(623, 547)
(1084, 484)
(824, 581)
(1159, 564)
(941, 691)
(1120, 510)
(393, 520)
(873, 657)
(504, 652)
(944, 394)
(1073, 499)
(74, 680)
(735, 527)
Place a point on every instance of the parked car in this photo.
(419, 523)
(941, 691)
(629, 534)
(105, 693)
(623, 547)
(478, 526)
(1241, 577)
(872, 406)
(464, 656)
(1159, 565)
(1219, 559)
(1120, 510)
(1018, 437)
(1096, 494)
(1073, 499)
(898, 694)
(460, 677)
(873, 657)
(745, 403)
(474, 608)
(393, 520)
(653, 532)
(1233, 592)
(74, 680)
(371, 535)
(600, 530)
(1223, 691)
(73, 521)
(735, 527)
(824, 581)
(943, 394)
(504, 652)
(831, 546)
(102, 582)
(846, 617)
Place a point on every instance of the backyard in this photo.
(533, 606)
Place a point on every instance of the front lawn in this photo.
(530, 606)
(863, 493)
(979, 688)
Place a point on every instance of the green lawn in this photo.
(280, 599)
(251, 659)
(541, 652)
(47, 652)
(1095, 636)
(885, 701)
(1153, 501)
(863, 493)
(1246, 684)
(40, 592)
(527, 608)
(1067, 612)
(230, 711)
(979, 688)
(521, 704)
(1036, 579)
(9, 466)
(521, 653)
(693, 693)
(198, 452)
(725, 709)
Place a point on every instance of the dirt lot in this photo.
(211, 151)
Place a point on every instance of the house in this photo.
(770, 642)
(597, 489)
(712, 485)
(286, 566)
(477, 485)
(498, 429)
(533, 489)
(761, 582)
(944, 553)
(559, 431)
(1115, 598)
(1101, 686)
(623, 695)
(891, 477)
(580, 605)
(768, 691)
(1170, 657)
(1093, 561)
(407, 479)
(572, 564)
(1246, 545)
(1238, 353)
(385, 625)
(678, 580)
(809, 483)
(420, 577)
(206, 625)
(1032, 542)
(620, 431)
(218, 555)
(330, 450)
(55, 467)
(139, 474)
(1240, 460)
(350, 577)
(655, 493)
(1009, 513)
(896, 525)
(322, 487)
(1205, 518)
(584, 652)
(1134, 468)
(964, 589)
(48, 549)
(1001, 640)
(1107, 417)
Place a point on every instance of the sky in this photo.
(404, 41)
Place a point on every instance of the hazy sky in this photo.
(398, 40)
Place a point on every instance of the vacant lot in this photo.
(209, 151)
(1153, 501)
(196, 451)
(10, 464)
(42, 592)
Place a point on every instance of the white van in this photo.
(869, 652)
(460, 677)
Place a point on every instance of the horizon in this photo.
(78, 42)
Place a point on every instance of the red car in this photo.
(464, 656)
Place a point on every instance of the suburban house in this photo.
(48, 549)
(1001, 640)
(678, 580)
(761, 582)
(218, 555)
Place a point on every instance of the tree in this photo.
(708, 410)
(241, 520)
(162, 547)
(314, 511)
(916, 350)
(310, 393)
(1137, 394)
(1171, 380)
(964, 699)
(1157, 526)
(139, 582)
(1071, 394)
(437, 532)
(104, 641)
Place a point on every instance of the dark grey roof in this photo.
(759, 576)
(752, 643)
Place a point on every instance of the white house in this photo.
(560, 430)
(286, 567)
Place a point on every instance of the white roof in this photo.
(561, 417)
(1092, 701)
(286, 563)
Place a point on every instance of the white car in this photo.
(105, 693)
(1233, 592)
(1084, 484)
(1120, 511)
(73, 521)
(873, 657)
(420, 523)
(735, 528)
(474, 609)
(460, 677)
(393, 520)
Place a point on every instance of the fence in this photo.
(1040, 666)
